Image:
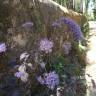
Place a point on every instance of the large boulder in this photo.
(39, 14)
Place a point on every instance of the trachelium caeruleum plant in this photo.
(73, 27)
(40, 64)
(21, 73)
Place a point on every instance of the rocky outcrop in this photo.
(41, 12)
(39, 15)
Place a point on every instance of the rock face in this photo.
(23, 21)
(41, 12)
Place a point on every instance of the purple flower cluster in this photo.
(19, 74)
(46, 45)
(22, 75)
(2, 47)
(56, 24)
(74, 27)
(51, 80)
(67, 47)
(40, 80)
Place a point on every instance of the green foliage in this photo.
(62, 67)
(94, 12)
(85, 29)
(58, 64)
(85, 25)
(68, 70)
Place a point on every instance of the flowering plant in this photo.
(46, 45)
(73, 27)
(51, 80)
(47, 57)
(2, 47)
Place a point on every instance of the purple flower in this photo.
(74, 27)
(22, 75)
(27, 24)
(46, 45)
(67, 47)
(19, 74)
(2, 47)
(40, 80)
(56, 24)
(51, 80)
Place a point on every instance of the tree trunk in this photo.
(70, 4)
(82, 6)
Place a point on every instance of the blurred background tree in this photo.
(87, 7)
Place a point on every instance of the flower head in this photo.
(19, 74)
(74, 27)
(46, 45)
(22, 75)
(40, 80)
(56, 24)
(51, 80)
(67, 47)
(2, 47)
